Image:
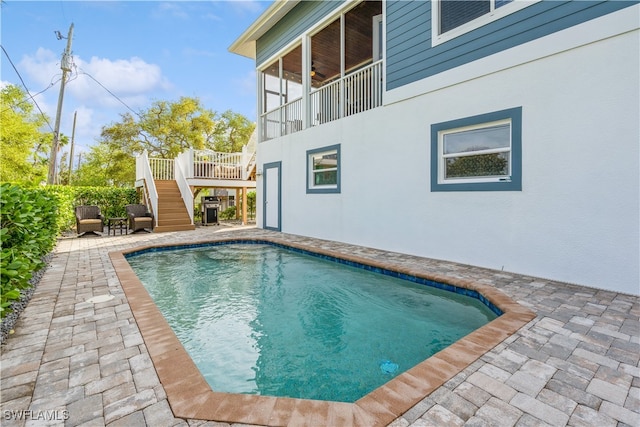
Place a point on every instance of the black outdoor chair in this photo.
(89, 220)
(139, 218)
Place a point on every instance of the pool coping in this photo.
(191, 397)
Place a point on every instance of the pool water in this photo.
(260, 319)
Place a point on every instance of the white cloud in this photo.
(248, 6)
(43, 68)
(123, 84)
(87, 127)
(172, 9)
(130, 80)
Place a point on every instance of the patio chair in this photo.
(89, 220)
(139, 218)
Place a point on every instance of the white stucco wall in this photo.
(577, 216)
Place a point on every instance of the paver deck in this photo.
(72, 362)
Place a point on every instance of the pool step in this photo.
(172, 213)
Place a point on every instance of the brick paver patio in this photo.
(77, 363)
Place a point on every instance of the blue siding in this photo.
(302, 17)
(410, 56)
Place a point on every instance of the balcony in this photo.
(357, 92)
(332, 73)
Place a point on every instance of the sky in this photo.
(140, 51)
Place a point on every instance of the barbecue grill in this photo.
(209, 210)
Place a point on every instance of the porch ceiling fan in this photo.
(315, 72)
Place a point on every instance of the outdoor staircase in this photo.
(172, 213)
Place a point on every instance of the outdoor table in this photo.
(116, 223)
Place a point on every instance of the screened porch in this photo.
(333, 73)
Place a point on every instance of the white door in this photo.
(272, 201)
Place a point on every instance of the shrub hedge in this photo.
(110, 200)
(32, 218)
(229, 213)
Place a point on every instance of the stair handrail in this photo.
(249, 154)
(182, 163)
(144, 173)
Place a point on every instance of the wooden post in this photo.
(244, 205)
(237, 203)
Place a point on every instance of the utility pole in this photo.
(73, 138)
(65, 66)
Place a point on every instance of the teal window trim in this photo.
(513, 183)
(311, 189)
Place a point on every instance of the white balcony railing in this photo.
(181, 172)
(203, 164)
(216, 165)
(283, 120)
(356, 92)
(144, 175)
(363, 89)
(163, 169)
(192, 164)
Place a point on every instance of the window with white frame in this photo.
(477, 153)
(323, 170)
(452, 18)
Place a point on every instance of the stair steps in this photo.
(172, 213)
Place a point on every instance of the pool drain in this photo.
(388, 367)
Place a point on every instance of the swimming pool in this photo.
(261, 319)
(191, 397)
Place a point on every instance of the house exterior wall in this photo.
(300, 19)
(411, 55)
(576, 218)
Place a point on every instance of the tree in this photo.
(23, 144)
(164, 130)
(105, 166)
(232, 131)
(251, 203)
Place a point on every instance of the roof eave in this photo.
(245, 45)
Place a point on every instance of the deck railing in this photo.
(162, 168)
(325, 103)
(181, 173)
(145, 175)
(192, 164)
(356, 92)
(202, 164)
(363, 89)
(216, 165)
(283, 120)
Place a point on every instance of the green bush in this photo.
(32, 218)
(229, 213)
(28, 231)
(110, 200)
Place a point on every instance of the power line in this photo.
(111, 93)
(29, 97)
(27, 89)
